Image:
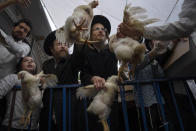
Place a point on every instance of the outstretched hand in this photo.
(160, 47)
(125, 30)
(48, 80)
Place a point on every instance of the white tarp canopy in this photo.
(165, 10)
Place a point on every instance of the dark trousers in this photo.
(2, 108)
(153, 117)
(75, 117)
(132, 111)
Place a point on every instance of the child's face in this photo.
(28, 64)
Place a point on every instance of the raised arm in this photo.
(78, 57)
(181, 28)
(19, 49)
(7, 3)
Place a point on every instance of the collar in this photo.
(99, 48)
(62, 60)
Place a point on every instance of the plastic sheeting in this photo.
(165, 10)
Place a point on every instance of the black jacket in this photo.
(67, 73)
(103, 64)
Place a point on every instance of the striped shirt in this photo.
(143, 72)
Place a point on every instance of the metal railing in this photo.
(136, 83)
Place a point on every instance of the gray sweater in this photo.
(144, 71)
(182, 28)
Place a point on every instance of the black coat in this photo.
(103, 64)
(67, 73)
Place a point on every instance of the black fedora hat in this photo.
(48, 43)
(102, 20)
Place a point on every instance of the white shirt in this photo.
(10, 53)
(192, 87)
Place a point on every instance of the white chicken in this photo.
(134, 17)
(31, 94)
(103, 99)
(76, 27)
(129, 50)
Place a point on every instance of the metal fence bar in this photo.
(176, 107)
(149, 81)
(109, 122)
(29, 126)
(190, 101)
(159, 98)
(64, 110)
(50, 110)
(66, 86)
(141, 103)
(124, 107)
(69, 109)
(86, 115)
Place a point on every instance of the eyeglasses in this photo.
(62, 44)
(99, 29)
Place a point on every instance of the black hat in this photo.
(48, 43)
(103, 20)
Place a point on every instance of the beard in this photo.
(63, 54)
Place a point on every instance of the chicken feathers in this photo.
(129, 50)
(31, 94)
(103, 99)
(76, 28)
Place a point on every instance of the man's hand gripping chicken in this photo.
(126, 49)
(76, 27)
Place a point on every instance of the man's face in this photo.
(98, 33)
(20, 31)
(59, 50)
